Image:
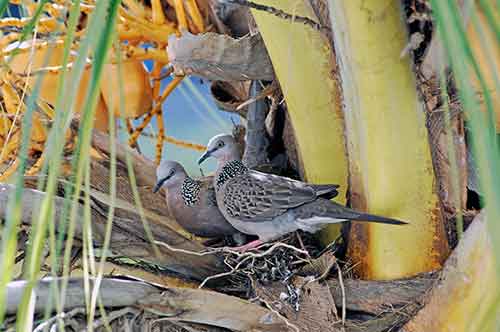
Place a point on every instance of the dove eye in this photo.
(172, 171)
(220, 144)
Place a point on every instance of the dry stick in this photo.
(62, 315)
(130, 131)
(299, 238)
(161, 320)
(350, 268)
(160, 138)
(341, 282)
(268, 91)
(157, 67)
(161, 77)
(277, 313)
(112, 316)
(280, 13)
(224, 274)
(184, 144)
(51, 69)
(322, 275)
(246, 256)
(168, 139)
(228, 250)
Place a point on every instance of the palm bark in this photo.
(389, 155)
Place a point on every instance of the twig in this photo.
(270, 250)
(169, 71)
(184, 251)
(329, 246)
(268, 91)
(299, 238)
(322, 276)
(51, 321)
(350, 268)
(112, 316)
(224, 274)
(280, 13)
(246, 256)
(180, 326)
(161, 320)
(228, 250)
(341, 282)
(274, 311)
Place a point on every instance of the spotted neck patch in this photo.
(190, 191)
(230, 170)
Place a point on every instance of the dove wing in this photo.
(258, 197)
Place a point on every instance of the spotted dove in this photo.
(192, 202)
(270, 206)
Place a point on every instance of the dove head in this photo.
(169, 173)
(223, 148)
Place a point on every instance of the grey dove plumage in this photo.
(192, 202)
(270, 206)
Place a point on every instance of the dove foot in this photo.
(248, 246)
(239, 238)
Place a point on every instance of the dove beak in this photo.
(159, 184)
(205, 156)
(157, 187)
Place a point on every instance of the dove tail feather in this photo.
(327, 191)
(324, 211)
(382, 220)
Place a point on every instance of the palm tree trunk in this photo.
(389, 156)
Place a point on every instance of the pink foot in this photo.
(248, 246)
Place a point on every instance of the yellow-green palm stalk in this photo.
(467, 288)
(303, 61)
(389, 155)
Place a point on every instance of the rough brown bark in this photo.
(451, 173)
(370, 305)
(376, 297)
(128, 237)
(316, 308)
(178, 304)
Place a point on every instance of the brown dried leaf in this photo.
(220, 57)
(316, 312)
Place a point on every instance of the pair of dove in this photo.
(239, 199)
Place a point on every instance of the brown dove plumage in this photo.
(192, 202)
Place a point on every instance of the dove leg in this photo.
(248, 246)
(239, 238)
